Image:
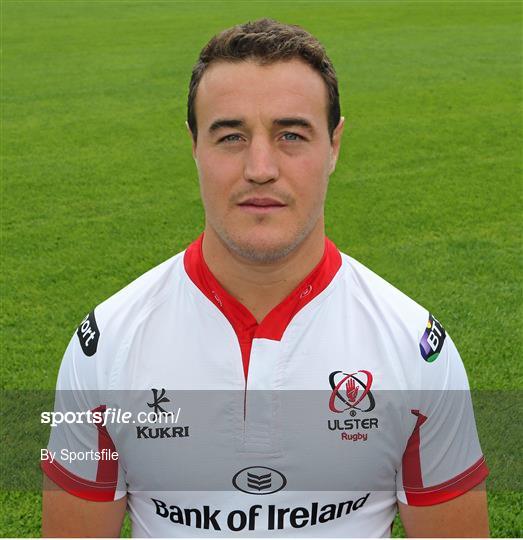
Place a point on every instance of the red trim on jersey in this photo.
(80, 487)
(276, 321)
(107, 468)
(468, 479)
(411, 464)
(104, 488)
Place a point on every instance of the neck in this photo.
(261, 287)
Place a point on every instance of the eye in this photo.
(233, 137)
(289, 136)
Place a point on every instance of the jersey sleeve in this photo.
(443, 457)
(81, 457)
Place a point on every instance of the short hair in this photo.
(267, 41)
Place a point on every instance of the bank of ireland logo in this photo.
(259, 480)
(351, 392)
(432, 340)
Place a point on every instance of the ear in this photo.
(336, 144)
(193, 140)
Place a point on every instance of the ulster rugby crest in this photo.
(351, 391)
(351, 394)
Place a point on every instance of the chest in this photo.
(319, 408)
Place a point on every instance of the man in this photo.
(315, 398)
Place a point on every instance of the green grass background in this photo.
(98, 184)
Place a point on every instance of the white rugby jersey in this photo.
(346, 398)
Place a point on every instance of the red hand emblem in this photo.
(352, 390)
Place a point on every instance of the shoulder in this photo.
(410, 336)
(142, 294)
(374, 294)
(95, 346)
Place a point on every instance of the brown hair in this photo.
(266, 41)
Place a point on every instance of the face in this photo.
(263, 155)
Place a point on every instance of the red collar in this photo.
(276, 321)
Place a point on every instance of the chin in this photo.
(262, 248)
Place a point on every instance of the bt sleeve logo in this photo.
(432, 340)
(88, 334)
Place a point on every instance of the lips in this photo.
(261, 202)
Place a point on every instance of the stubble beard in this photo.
(266, 255)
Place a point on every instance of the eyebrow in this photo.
(293, 121)
(281, 122)
(225, 123)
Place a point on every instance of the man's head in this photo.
(266, 41)
(264, 116)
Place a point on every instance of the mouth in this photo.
(261, 205)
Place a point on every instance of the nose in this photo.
(261, 165)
